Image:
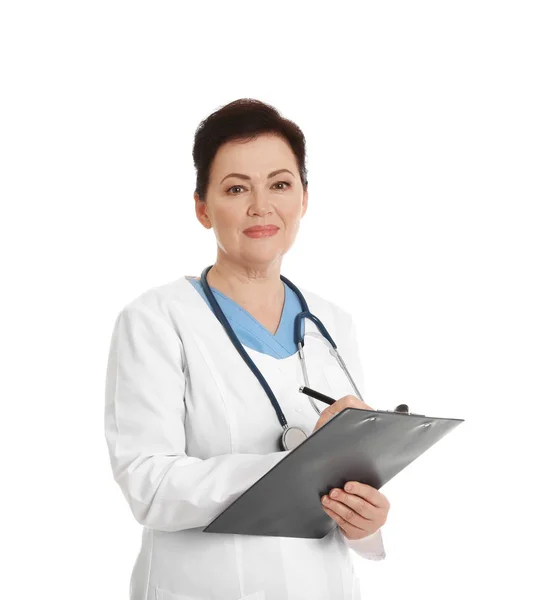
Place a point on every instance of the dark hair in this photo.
(243, 119)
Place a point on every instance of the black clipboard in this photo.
(370, 446)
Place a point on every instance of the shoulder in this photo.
(156, 301)
(321, 305)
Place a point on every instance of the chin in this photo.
(263, 258)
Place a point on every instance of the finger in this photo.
(369, 493)
(328, 413)
(359, 513)
(356, 503)
(351, 531)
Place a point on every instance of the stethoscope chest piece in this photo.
(292, 437)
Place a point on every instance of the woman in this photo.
(188, 425)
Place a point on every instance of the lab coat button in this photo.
(298, 409)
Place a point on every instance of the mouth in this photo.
(264, 231)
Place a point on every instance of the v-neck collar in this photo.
(237, 308)
(214, 335)
(266, 342)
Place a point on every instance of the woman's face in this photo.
(251, 198)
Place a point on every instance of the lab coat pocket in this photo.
(162, 594)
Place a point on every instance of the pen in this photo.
(401, 408)
(317, 395)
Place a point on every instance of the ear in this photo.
(200, 208)
(304, 203)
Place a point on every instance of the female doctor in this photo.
(189, 427)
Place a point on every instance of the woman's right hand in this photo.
(339, 405)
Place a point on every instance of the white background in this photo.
(424, 129)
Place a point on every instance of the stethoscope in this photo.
(291, 436)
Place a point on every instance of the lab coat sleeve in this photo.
(372, 546)
(144, 430)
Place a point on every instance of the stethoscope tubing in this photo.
(298, 338)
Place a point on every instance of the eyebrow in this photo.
(241, 176)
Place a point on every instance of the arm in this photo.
(144, 430)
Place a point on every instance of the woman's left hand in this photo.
(359, 511)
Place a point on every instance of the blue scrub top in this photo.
(250, 332)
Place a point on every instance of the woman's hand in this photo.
(338, 406)
(359, 509)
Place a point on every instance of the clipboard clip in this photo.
(404, 409)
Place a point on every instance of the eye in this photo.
(284, 183)
(234, 186)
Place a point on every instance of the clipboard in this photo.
(370, 446)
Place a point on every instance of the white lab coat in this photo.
(189, 429)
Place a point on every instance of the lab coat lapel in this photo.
(241, 389)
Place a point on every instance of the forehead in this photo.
(258, 156)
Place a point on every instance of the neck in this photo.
(250, 286)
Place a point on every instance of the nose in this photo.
(260, 202)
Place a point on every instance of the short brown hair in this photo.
(243, 119)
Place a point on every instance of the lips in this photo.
(257, 228)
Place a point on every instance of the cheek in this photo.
(294, 211)
(228, 220)
(292, 222)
